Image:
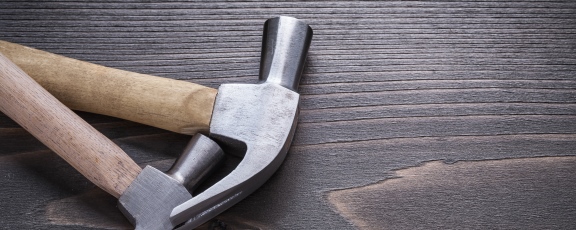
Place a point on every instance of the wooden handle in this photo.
(82, 146)
(173, 105)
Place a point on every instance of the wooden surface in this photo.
(415, 114)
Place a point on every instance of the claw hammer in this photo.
(255, 121)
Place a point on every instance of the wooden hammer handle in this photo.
(82, 146)
(173, 105)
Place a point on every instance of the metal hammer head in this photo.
(254, 120)
(149, 200)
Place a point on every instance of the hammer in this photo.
(256, 121)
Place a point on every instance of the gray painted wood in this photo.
(415, 114)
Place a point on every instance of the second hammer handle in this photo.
(178, 106)
(61, 130)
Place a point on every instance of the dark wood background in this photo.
(415, 114)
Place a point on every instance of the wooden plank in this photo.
(473, 194)
(463, 112)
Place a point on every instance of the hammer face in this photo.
(150, 198)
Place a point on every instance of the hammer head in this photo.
(149, 200)
(254, 120)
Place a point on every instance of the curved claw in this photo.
(259, 118)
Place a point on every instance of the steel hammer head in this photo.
(148, 201)
(256, 121)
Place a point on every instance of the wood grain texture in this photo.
(467, 194)
(177, 106)
(389, 85)
(88, 151)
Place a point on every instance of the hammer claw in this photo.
(265, 135)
